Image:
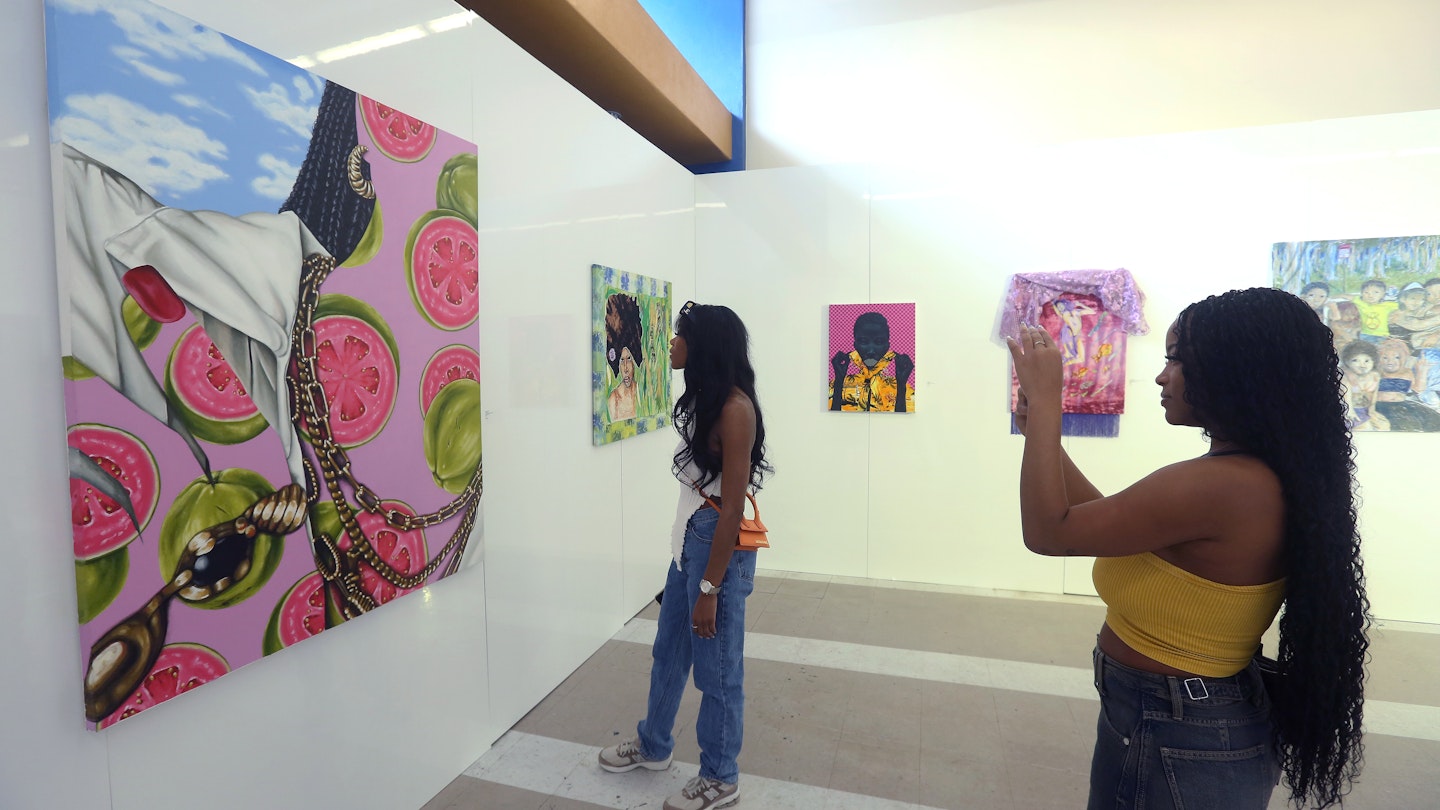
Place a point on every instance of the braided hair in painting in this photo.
(1260, 370)
(332, 203)
(622, 330)
(717, 360)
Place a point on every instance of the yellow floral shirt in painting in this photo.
(871, 389)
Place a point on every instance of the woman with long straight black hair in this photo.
(702, 614)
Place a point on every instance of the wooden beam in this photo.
(614, 53)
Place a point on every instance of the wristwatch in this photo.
(706, 589)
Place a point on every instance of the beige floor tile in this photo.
(949, 780)
(472, 794)
(877, 769)
(885, 709)
(766, 583)
(960, 720)
(1040, 729)
(790, 750)
(1036, 787)
(561, 803)
(808, 589)
(1404, 667)
(777, 692)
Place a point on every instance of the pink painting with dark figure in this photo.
(872, 358)
(272, 383)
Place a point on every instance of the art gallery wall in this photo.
(381, 713)
(932, 496)
(832, 81)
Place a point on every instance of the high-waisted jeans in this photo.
(1167, 743)
(718, 662)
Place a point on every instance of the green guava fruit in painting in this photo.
(445, 366)
(180, 668)
(99, 524)
(404, 551)
(398, 136)
(202, 505)
(358, 363)
(300, 614)
(452, 435)
(99, 581)
(208, 394)
(442, 266)
(458, 187)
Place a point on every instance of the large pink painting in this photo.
(269, 321)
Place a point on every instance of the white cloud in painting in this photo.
(281, 178)
(197, 103)
(163, 32)
(296, 114)
(164, 77)
(158, 151)
(135, 58)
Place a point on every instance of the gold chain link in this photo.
(310, 414)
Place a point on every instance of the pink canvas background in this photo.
(901, 318)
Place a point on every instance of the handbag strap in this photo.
(753, 505)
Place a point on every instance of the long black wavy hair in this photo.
(717, 361)
(1260, 370)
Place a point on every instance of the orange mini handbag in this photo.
(752, 536)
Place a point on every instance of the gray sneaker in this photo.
(627, 757)
(702, 794)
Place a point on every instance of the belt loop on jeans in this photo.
(1177, 700)
(1098, 658)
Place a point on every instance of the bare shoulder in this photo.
(738, 407)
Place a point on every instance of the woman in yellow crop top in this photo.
(1194, 560)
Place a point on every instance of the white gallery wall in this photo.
(383, 712)
(831, 81)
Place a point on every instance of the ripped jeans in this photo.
(1167, 743)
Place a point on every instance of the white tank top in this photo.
(690, 500)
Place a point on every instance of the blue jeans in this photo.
(718, 662)
(1163, 742)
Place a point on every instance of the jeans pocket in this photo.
(1200, 780)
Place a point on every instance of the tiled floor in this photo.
(867, 695)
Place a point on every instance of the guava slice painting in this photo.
(270, 339)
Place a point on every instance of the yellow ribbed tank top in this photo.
(1182, 619)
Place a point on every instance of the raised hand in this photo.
(1037, 364)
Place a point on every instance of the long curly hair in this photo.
(1261, 371)
(717, 361)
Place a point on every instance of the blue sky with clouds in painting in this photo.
(197, 119)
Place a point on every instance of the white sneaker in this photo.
(627, 757)
(702, 794)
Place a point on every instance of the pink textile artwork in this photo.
(1089, 313)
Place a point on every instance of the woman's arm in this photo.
(1198, 499)
(736, 430)
(1078, 488)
